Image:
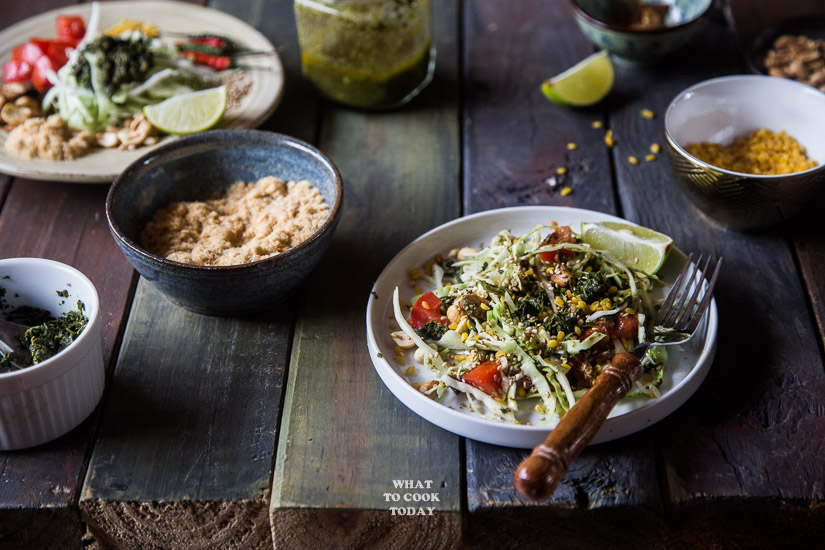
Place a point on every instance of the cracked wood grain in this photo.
(155, 525)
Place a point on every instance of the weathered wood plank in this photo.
(39, 487)
(515, 141)
(345, 438)
(748, 18)
(742, 460)
(184, 455)
(206, 468)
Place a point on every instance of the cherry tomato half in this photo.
(561, 234)
(70, 28)
(426, 309)
(485, 377)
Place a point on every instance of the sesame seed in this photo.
(561, 170)
(650, 158)
(572, 146)
(566, 191)
(632, 160)
(654, 148)
(596, 124)
(647, 113)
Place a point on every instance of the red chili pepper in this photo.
(210, 41)
(217, 62)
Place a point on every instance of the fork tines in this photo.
(691, 286)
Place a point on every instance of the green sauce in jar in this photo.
(374, 54)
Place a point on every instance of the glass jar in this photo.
(373, 54)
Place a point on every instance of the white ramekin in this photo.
(43, 402)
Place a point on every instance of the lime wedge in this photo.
(637, 247)
(585, 83)
(188, 113)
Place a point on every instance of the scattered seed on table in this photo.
(650, 158)
(572, 146)
(596, 124)
(566, 191)
(647, 113)
(654, 148)
(561, 170)
(632, 160)
(608, 138)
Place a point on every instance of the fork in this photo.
(538, 475)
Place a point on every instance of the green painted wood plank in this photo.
(345, 438)
(184, 454)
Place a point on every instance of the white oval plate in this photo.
(103, 165)
(686, 367)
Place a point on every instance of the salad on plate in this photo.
(104, 86)
(520, 328)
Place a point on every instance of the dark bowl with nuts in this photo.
(792, 49)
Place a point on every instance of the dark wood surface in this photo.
(274, 430)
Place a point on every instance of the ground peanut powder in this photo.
(253, 221)
(48, 138)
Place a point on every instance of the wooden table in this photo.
(237, 432)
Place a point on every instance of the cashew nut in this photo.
(402, 340)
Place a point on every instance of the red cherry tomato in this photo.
(14, 71)
(561, 234)
(426, 309)
(41, 69)
(627, 326)
(70, 29)
(485, 377)
(604, 328)
(34, 49)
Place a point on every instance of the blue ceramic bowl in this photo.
(198, 167)
(596, 19)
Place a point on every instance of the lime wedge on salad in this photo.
(637, 247)
(585, 83)
(188, 113)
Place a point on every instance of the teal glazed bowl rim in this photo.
(598, 23)
(146, 162)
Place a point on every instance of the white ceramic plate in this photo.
(686, 367)
(103, 165)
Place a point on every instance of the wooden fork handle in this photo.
(538, 475)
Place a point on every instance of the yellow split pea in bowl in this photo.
(723, 109)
